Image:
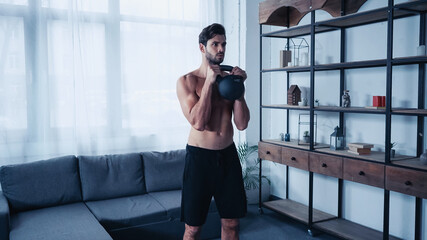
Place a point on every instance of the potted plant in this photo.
(250, 172)
(392, 151)
(306, 136)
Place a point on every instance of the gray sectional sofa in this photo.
(126, 196)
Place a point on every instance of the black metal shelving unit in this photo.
(307, 214)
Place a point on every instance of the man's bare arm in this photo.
(241, 113)
(240, 108)
(196, 109)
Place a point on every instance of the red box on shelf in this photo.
(382, 101)
(376, 101)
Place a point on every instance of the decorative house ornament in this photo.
(336, 140)
(294, 95)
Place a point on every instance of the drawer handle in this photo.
(362, 173)
(324, 165)
(408, 183)
(293, 159)
(268, 152)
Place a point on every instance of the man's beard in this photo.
(212, 60)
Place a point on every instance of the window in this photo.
(13, 85)
(93, 77)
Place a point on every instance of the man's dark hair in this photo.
(210, 32)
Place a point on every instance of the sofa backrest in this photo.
(111, 176)
(163, 170)
(41, 184)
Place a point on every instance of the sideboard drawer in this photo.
(406, 181)
(270, 152)
(295, 158)
(364, 172)
(326, 164)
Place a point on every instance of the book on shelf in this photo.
(360, 145)
(373, 107)
(359, 150)
(359, 153)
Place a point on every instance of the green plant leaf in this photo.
(250, 166)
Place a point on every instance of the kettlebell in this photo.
(230, 87)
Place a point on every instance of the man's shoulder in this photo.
(189, 78)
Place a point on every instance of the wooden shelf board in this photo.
(409, 60)
(412, 162)
(296, 210)
(288, 69)
(409, 111)
(372, 16)
(351, 20)
(413, 5)
(294, 144)
(296, 31)
(286, 106)
(349, 109)
(374, 156)
(340, 109)
(359, 18)
(354, 64)
(349, 230)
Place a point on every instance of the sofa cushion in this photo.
(163, 170)
(111, 176)
(127, 212)
(42, 183)
(66, 222)
(171, 201)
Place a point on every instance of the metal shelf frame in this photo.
(387, 14)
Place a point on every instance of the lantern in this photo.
(337, 139)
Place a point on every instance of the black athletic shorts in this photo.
(208, 173)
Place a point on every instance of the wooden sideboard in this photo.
(407, 181)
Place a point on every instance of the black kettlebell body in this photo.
(230, 87)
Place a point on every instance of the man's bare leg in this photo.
(229, 229)
(192, 232)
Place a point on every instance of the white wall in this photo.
(362, 204)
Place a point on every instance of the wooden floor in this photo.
(273, 226)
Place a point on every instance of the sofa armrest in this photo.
(4, 217)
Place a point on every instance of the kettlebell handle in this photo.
(226, 68)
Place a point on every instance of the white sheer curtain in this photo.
(95, 76)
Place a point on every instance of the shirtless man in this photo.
(212, 166)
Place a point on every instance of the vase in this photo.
(287, 137)
(423, 158)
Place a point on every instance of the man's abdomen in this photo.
(214, 140)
